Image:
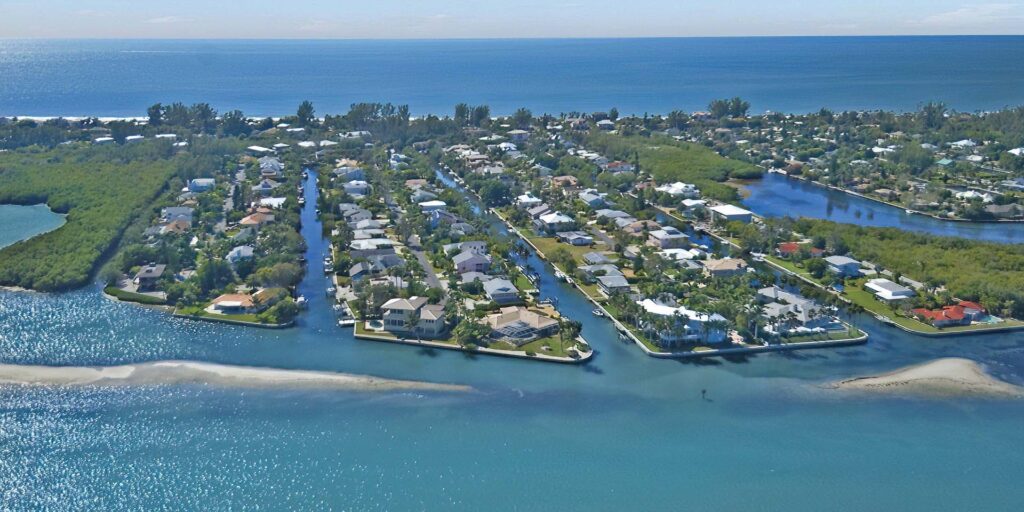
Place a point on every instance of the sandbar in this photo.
(194, 372)
(941, 377)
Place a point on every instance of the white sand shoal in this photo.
(941, 377)
(192, 372)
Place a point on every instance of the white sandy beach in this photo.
(193, 372)
(941, 377)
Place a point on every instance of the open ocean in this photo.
(792, 74)
(625, 432)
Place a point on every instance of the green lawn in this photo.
(141, 298)
(548, 245)
(199, 311)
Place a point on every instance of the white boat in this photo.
(301, 301)
(347, 322)
(597, 312)
(331, 290)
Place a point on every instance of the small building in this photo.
(233, 304)
(680, 189)
(356, 188)
(888, 291)
(240, 253)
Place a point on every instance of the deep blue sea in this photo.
(625, 432)
(791, 74)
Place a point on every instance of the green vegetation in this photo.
(990, 273)
(141, 298)
(100, 189)
(668, 160)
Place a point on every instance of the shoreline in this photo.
(212, 374)
(946, 377)
(906, 210)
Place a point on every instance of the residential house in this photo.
(690, 326)
(680, 189)
(595, 258)
(592, 198)
(888, 291)
(554, 222)
(578, 238)
(843, 266)
(148, 277)
(240, 253)
(527, 201)
(201, 184)
(356, 188)
(432, 206)
(258, 219)
(519, 325)
(173, 213)
(725, 267)
(474, 246)
(592, 272)
(611, 284)
(730, 213)
(786, 310)
(469, 261)
(413, 316)
(668, 238)
(501, 291)
(266, 187)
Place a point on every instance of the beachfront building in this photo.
(413, 316)
(687, 326)
(519, 325)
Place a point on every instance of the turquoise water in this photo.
(778, 196)
(626, 432)
(792, 74)
(19, 223)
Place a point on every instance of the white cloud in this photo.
(976, 15)
(163, 20)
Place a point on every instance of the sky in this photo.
(432, 19)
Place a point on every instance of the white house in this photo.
(527, 201)
(730, 213)
(553, 222)
(357, 188)
(413, 316)
(888, 291)
(679, 188)
(435, 205)
(691, 325)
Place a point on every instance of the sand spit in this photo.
(941, 377)
(192, 372)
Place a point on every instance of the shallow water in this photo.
(623, 432)
(777, 195)
(19, 222)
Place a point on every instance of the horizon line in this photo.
(510, 38)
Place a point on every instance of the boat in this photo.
(347, 322)
(305, 174)
(331, 290)
(301, 301)
(328, 269)
(597, 312)
(561, 276)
